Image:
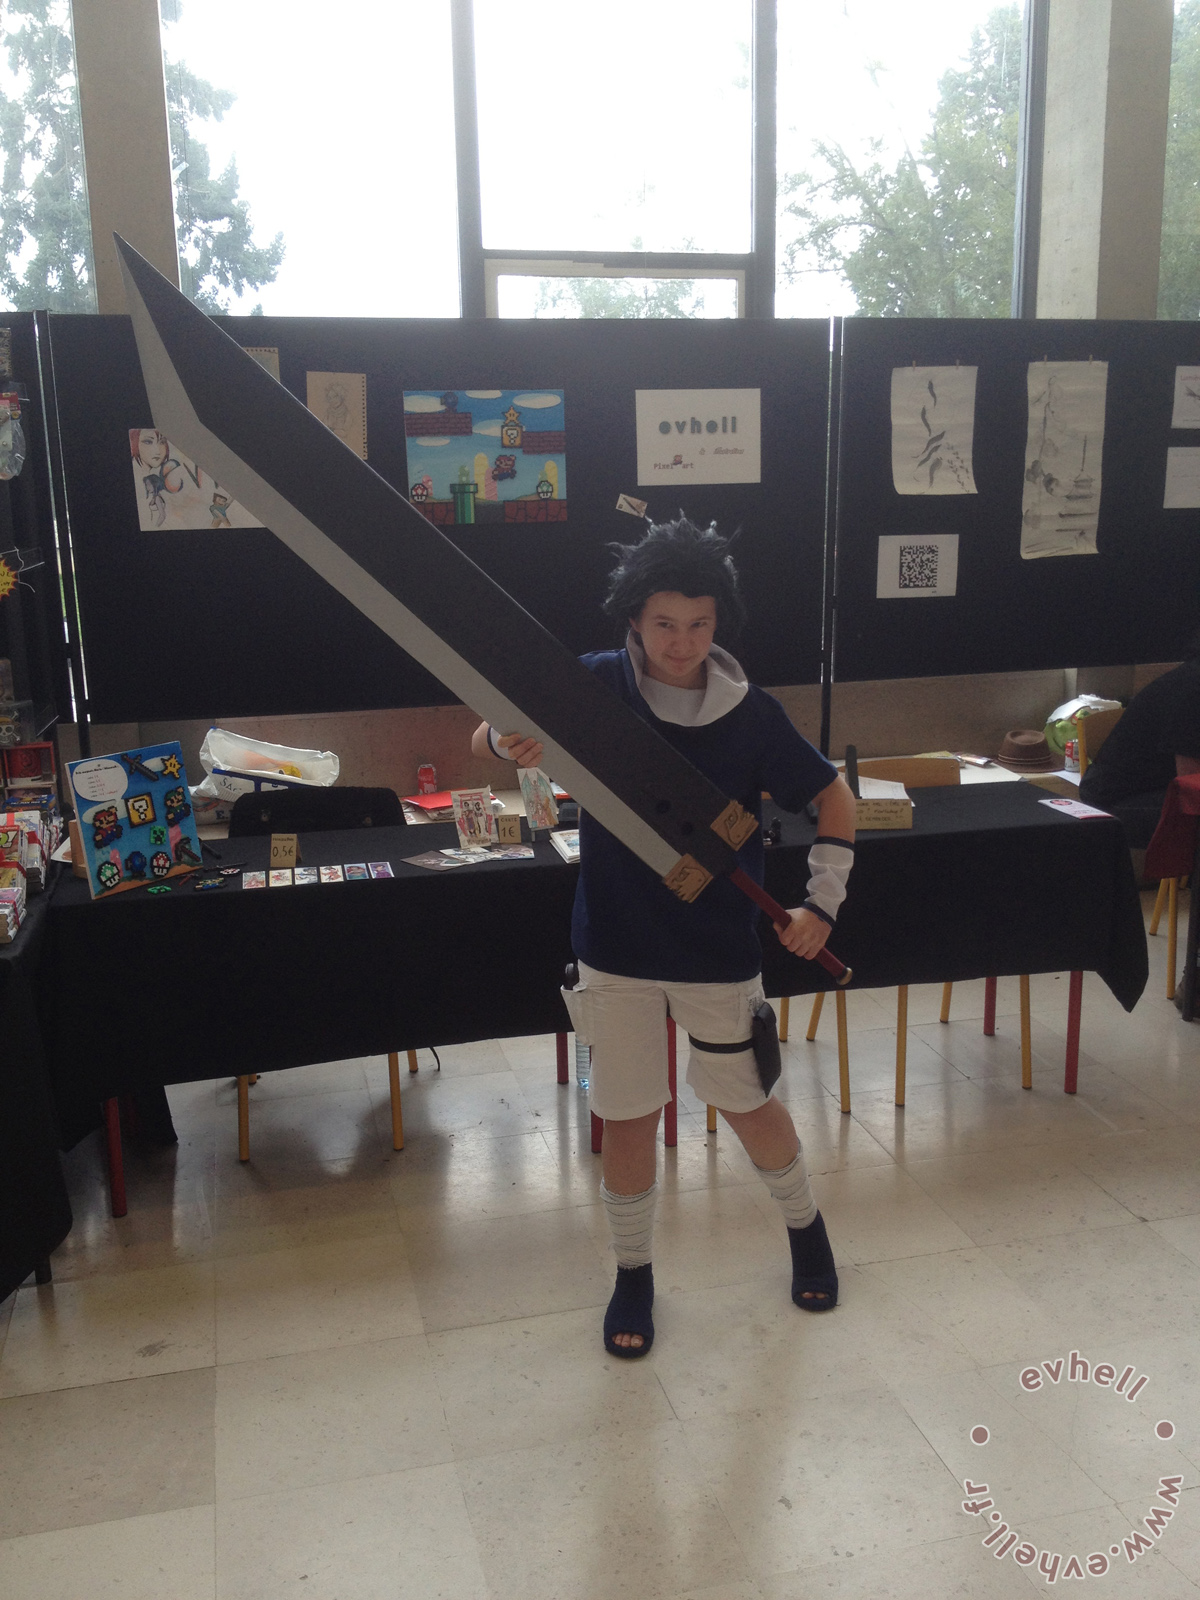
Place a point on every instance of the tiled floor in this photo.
(341, 1373)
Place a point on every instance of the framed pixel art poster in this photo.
(487, 455)
(135, 818)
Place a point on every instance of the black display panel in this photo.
(1136, 599)
(218, 622)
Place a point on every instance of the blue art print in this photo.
(135, 818)
(487, 455)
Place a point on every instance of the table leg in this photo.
(711, 1124)
(989, 1006)
(394, 1093)
(1074, 1007)
(901, 1040)
(1026, 1041)
(597, 1133)
(116, 1158)
(243, 1091)
(671, 1120)
(412, 1061)
(1189, 958)
(843, 1050)
(947, 991)
(42, 1272)
(785, 1007)
(560, 1051)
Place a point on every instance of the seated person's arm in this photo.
(807, 932)
(507, 746)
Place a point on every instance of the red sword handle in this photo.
(837, 969)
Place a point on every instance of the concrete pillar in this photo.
(1108, 79)
(127, 148)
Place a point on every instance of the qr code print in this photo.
(918, 566)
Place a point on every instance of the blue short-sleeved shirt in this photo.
(625, 921)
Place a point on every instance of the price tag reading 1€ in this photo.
(285, 850)
(509, 828)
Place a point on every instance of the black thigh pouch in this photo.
(763, 1040)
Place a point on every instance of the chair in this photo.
(914, 772)
(1169, 852)
(315, 810)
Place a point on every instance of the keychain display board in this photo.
(220, 621)
(968, 601)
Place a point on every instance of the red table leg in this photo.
(671, 1120)
(116, 1159)
(597, 1133)
(560, 1047)
(1074, 1007)
(989, 1006)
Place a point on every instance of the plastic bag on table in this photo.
(236, 765)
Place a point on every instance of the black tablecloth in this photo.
(163, 989)
(35, 1214)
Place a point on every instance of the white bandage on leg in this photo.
(631, 1222)
(829, 861)
(790, 1187)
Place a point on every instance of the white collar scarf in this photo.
(725, 686)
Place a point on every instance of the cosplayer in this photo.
(643, 954)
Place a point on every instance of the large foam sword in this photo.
(341, 518)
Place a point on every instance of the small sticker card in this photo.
(357, 869)
(254, 880)
(435, 860)
(512, 852)
(473, 816)
(540, 808)
(332, 875)
(280, 877)
(306, 875)
(1075, 808)
(631, 504)
(381, 869)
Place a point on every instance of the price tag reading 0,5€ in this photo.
(285, 850)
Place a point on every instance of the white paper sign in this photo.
(698, 436)
(1186, 413)
(1183, 479)
(1060, 506)
(917, 566)
(933, 429)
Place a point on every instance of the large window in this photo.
(313, 152)
(47, 243)
(897, 157)
(1179, 276)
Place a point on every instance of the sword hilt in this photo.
(836, 969)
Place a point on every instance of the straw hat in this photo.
(1026, 750)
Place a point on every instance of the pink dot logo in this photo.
(1165, 1430)
(980, 1435)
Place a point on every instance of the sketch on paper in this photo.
(340, 400)
(1182, 489)
(487, 455)
(1186, 412)
(1060, 506)
(173, 492)
(917, 566)
(933, 430)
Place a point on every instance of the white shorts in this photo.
(625, 1022)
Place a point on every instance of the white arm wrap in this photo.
(504, 752)
(829, 861)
